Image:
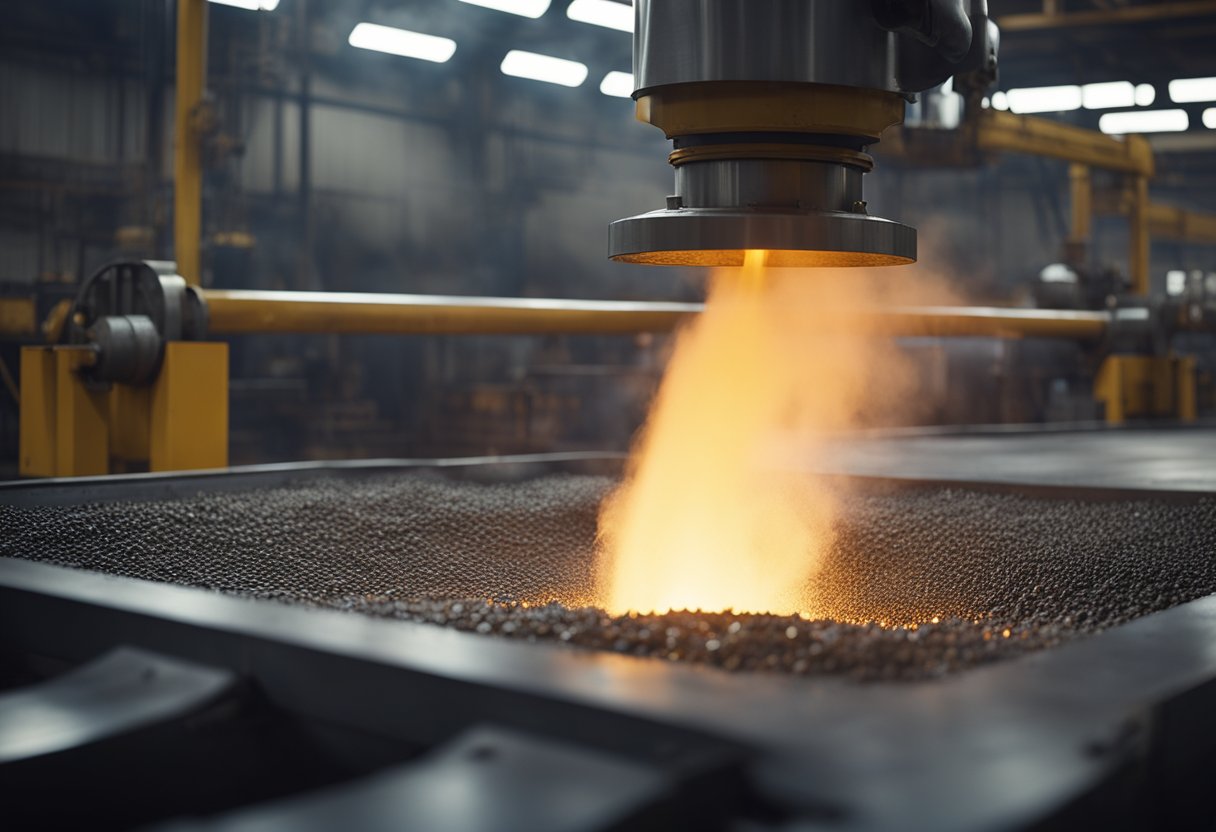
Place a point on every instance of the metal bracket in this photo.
(505, 779)
(123, 691)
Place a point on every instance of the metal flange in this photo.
(716, 237)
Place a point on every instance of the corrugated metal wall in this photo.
(70, 115)
(382, 180)
(18, 256)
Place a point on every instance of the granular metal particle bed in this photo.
(1002, 574)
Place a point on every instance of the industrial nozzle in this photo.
(770, 109)
(802, 202)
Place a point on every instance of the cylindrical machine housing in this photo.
(771, 107)
(799, 41)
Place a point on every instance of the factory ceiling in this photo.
(1150, 41)
(1044, 43)
(1082, 41)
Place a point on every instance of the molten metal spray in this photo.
(718, 510)
(700, 522)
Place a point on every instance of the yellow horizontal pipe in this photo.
(238, 311)
(990, 322)
(235, 312)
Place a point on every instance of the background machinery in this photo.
(314, 396)
(317, 380)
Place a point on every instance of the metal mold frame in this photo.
(1096, 724)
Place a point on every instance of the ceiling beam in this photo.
(1127, 14)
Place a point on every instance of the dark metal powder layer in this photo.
(1003, 574)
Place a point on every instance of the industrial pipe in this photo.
(989, 322)
(245, 311)
(234, 312)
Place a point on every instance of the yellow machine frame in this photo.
(1142, 386)
(69, 428)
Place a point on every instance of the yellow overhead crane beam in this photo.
(1000, 131)
(1054, 17)
(1132, 156)
(1165, 222)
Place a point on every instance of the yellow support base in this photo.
(70, 430)
(190, 408)
(1140, 387)
(130, 427)
(63, 424)
(18, 318)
